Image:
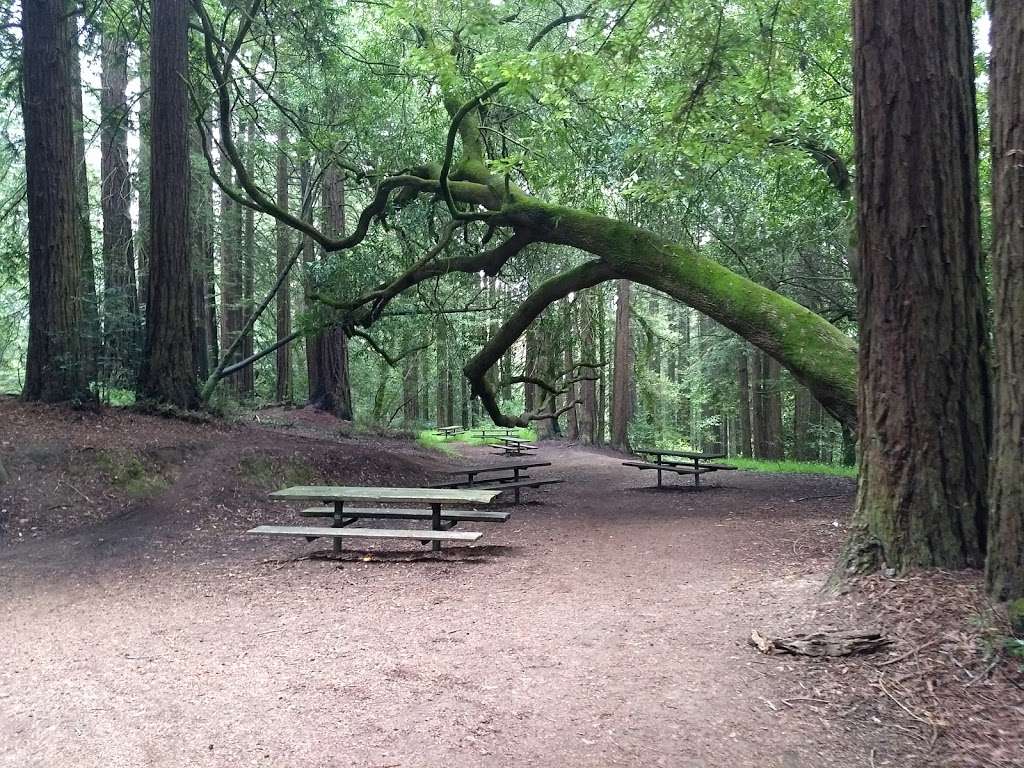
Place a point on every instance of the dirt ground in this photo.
(604, 625)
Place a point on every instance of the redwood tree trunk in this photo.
(1005, 564)
(923, 389)
(90, 304)
(743, 406)
(332, 391)
(167, 374)
(622, 385)
(283, 360)
(54, 366)
(122, 324)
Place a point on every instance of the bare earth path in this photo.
(602, 626)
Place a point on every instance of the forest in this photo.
(788, 234)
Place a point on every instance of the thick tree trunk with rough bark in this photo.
(923, 395)
(90, 303)
(246, 381)
(122, 324)
(806, 414)
(588, 388)
(54, 370)
(167, 374)
(230, 269)
(1005, 563)
(201, 247)
(283, 360)
(143, 234)
(622, 386)
(743, 436)
(331, 390)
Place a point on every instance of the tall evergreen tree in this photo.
(1005, 565)
(923, 394)
(54, 366)
(167, 374)
(121, 322)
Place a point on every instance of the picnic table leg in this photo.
(435, 523)
(696, 477)
(338, 522)
(516, 473)
(659, 477)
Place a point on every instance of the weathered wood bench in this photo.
(313, 532)
(517, 486)
(467, 484)
(471, 473)
(512, 449)
(350, 514)
(679, 469)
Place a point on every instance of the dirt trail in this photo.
(603, 625)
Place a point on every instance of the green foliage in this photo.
(793, 467)
(136, 474)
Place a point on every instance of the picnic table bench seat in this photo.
(478, 483)
(311, 532)
(679, 469)
(454, 515)
(517, 486)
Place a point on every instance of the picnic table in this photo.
(514, 482)
(514, 446)
(342, 517)
(680, 462)
(496, 432)
(450, 431)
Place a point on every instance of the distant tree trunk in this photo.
(602, 384)
(772, 381)
(246, 377)
(143, 235)
(924, 391)
(424, 379)
(1005, 564)
(410, 386)
(332, 390)
(122, 325)
(54, 369)
(283, 360)
(200, 243)
(90, 303)
(167, 374)
(805, 408)
(587, 408)
(530, 368)
(743, 437)
(230, 268)
(572, 423)
(622, 386)
(308, 265)
(443, 415)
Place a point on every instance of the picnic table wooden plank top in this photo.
(499, 467)
(684, 454)
(510, 439)
(366, 493)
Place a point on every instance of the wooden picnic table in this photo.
(516, 468)
(338, 496)
(486, 432)
(691, 464)
(516, 446)
(450, 431)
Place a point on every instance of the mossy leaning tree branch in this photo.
(817, 353)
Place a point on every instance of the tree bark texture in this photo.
(622, 384)
(1005, 562)
(332, 390)
(743, 438)
(923, 392)
(283, 360)
(54, 369)
(167, 374)
(122, 324)
(90, 303)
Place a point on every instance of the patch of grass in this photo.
(428, 438)
(268, 471)
(132, 473)
(792, 467)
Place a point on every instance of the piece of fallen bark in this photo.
(845, 643)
